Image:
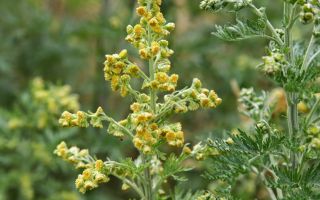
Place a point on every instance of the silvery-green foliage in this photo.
(284, 157)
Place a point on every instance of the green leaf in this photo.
(242, 30)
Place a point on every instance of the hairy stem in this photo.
(292, 97)
(293, 123)
(148, 181)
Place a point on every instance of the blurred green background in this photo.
(51, 60)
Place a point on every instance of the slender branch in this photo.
(306, 56)
(152, 92)
(133, 92)
(132, 185)
(314, 56)
(143, 75)
(119, 125)
(292, 18)
(268, 23)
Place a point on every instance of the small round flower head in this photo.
(229, 141)
(308, 13)
(62, 150)
(125, 187)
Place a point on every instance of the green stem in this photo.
(152, 91)
(148, 181)
(132, 185)
(293, 123)
(287, 36)
(111, 120)
(292, 97)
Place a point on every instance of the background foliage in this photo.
(64, 42)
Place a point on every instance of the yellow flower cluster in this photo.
(193, 98)
(49, 99)
(95, 171)
(147, 126)
(200, 151)
(173, 134)
(147, 36)
(145, 135)
(73, 155)
(151, 22)
(54, 98)
(207, 98)
(80, 119)
(91, 177)
(163, 82)
(69, 120)
(119, 70)
(149, 133)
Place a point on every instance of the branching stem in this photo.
(292, 97)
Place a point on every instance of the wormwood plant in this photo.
(28, 135)
(148, 125)
(284, 159)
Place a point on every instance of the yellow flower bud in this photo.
(87, 174)
(302, 107)
(229, 141)
(99, 165)
(132, 70)
(135, 107)
(146, 149)
(155, 48)
(144, 54)
(196, 83)
(137, 143)
(170, 26)
(162, 77)
(79, 181)
(170, 136)
(123, 54)
(174, 78)
(205, 102)
(186, 150)
(125, 187)
(101, 178)
(138, 30)
(141, 11)
(153, 22)
(115, 83)
(218, 101)
(129, 29)
(89, 185)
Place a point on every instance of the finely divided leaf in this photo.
(241, 30)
